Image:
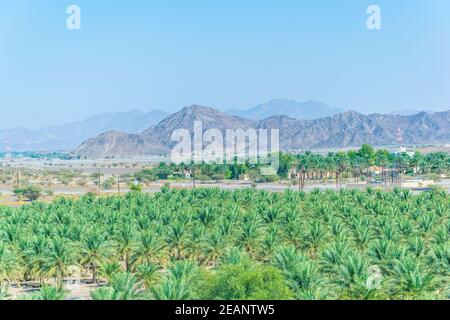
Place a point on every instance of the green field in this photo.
(215, 244)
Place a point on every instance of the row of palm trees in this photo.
(338, 165)
(324, 245)
(360, 163)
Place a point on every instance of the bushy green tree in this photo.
(244, 281)
(32, 193)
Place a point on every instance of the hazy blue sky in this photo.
(222, 53)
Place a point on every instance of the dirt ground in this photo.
(75, 290)
(9, 199)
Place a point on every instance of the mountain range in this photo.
(347, 129)
(69, 136)
(302, 125)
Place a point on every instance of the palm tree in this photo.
(352, 277)
(178, 283)
(125, 241)
(59, 258)
(413, 277)
(171, 290)
(50, 293)
(124, 286)
(95, 250)
(382, 159)
(147, 248)
(109, 270)
(4, 292)
(301, 274)
(148, 274)
(175, 238)
(8, 264)
(341, 164)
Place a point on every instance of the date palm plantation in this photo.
(247, 244)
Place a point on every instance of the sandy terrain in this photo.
(75, 290)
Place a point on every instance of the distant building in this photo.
(244, 177)
(293, 174)
(413, 184)
(376, 170)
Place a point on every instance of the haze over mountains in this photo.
(409, 112)
(348, 129)
(308, 110)
(69, 136)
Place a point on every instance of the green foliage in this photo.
(3, 292)
(49, 293)
(211, 243)
(162, 172)
(178, 284)
(357, 164)
(244, 281)
(136, 187)
(32, 193)
(124, 286)
(108, 184)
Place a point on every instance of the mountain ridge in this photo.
(348, 129)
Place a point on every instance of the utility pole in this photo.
(118, 184)
(17, 179)
(337, 179)
(301, 181)
(99, 180)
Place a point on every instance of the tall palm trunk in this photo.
(127, 261)
(59, 280)
(94, 274)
